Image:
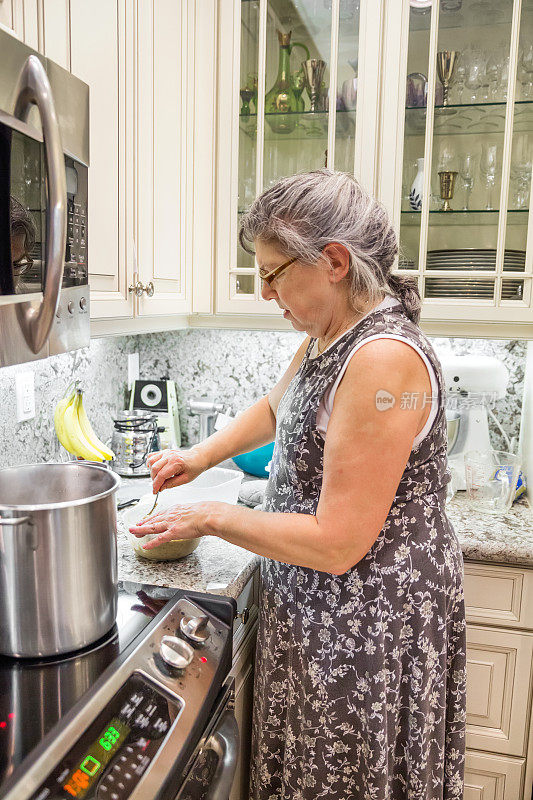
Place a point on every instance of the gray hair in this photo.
(304, 212)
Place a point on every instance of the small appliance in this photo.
(146, 712)
(159, 398)
(44, 157)
(473, 383)
(135, 436)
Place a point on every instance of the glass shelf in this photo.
(469, 118)
(471, 15)
(302, 126)
(472, 217)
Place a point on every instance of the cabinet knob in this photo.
(138, 288)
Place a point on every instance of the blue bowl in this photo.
(256, 460)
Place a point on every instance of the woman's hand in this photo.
(185, 521)
(170, 468)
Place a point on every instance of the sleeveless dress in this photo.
(360, 683)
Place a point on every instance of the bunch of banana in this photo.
(74, 430)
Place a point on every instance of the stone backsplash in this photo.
(232, 367)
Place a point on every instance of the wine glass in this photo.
(488, 167)
(460, 74)
(526, 70)
(493, 69)
(521, 171)
(475, 73)
(466, 173)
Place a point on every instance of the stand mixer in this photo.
(473, 383)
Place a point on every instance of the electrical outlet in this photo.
(133, 368)
(25, 394)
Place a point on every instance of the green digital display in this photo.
(96, 759)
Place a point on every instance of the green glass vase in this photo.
(283, 100)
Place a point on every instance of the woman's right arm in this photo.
(253, 427)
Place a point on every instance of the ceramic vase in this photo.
(415, 195)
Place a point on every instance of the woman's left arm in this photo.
(366, 450)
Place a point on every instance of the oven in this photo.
(145, 714)
(44, 156)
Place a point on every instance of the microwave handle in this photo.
(225, 743)
(34, 88)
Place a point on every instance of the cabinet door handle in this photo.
(149, 289)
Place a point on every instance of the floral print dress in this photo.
(361, 678)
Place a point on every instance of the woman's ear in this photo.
(339, 261)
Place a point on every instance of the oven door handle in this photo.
(224, 741)
(34, 89)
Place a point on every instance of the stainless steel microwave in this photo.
(44, 158)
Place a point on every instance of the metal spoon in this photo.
(154, 505)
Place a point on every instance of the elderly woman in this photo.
(360, 676)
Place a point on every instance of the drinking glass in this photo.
(460, 74)
(488, 166)
(504, 78)
(466, 173)
(491, 477)
(493, 70)
(475, 73)
(446, 158)
(521, 171)
(525, 65)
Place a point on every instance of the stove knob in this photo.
(195, 628)
(176, 652)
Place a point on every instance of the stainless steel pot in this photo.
(58, 557)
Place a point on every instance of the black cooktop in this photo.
(36, 694)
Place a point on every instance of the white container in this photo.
(216, 483)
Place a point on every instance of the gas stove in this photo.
(136, 715)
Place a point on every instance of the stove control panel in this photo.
(110, 758)
(170, 679)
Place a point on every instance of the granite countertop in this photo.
(506, 539)
(215, 566)
(223, 568)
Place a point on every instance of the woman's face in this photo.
(308, 294)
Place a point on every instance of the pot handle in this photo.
(15, 521)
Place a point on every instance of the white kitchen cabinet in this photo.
(101, 50)
(473, 262)
(41, 24)
(256, 144)
(56, 30)
(490, 777)
(499, 729)
(164, 151)
(499, 669)
(12, 17)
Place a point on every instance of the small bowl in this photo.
(256, 461)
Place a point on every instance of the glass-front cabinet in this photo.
(457, 173)
(291, 76)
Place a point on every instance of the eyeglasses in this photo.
(269, 276)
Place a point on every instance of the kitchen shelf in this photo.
(472, 15)
(469, 118)
(473, 217)
(308, 125)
